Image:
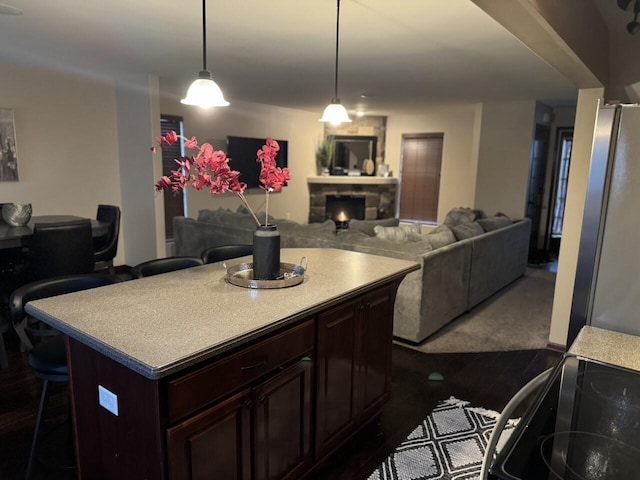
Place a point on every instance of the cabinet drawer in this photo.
(197, 389)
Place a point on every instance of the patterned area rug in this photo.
(448, 445)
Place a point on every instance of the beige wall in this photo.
(459, 155)
(302, 130)
(505, 151)
(67, 142)
(574, 209)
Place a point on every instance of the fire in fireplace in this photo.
(342, 208)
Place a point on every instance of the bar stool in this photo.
(48, 359)
(225, 252)
(164, 265)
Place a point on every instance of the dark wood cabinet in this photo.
(282, 428)
(353, 365)
(262, 432)
(270, 410)
(214, 444)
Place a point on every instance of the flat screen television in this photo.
(242, 154)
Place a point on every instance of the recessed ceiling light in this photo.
(9, 10)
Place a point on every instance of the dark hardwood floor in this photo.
(484, 379)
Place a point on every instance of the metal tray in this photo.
(242, 276)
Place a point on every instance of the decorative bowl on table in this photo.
(16, 214)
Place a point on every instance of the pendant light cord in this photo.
(335, 87)
(204, 35)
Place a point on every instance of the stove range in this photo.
(583, 425)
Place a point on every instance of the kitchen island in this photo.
(184, 375)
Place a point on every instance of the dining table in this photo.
(12, 237)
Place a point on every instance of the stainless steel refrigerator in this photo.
(607, 285)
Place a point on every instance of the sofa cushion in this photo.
(440, 237)
(490, 224)
(460, 215)
(224, 216)
(467, 230)
(367, 226)
(359, 242)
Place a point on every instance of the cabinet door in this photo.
(213, 444)
(336, 375)
(282, 430)
(376, 336)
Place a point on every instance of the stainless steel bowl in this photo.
(16, 214)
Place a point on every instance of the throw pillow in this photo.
(367, 226)
(490, 224)
(467, 230)
(391, 234)
(440, 237)
(410, 228)
(460, 215)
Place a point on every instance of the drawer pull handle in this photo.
(255, 365)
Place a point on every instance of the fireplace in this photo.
(379, 196)
(342, 208)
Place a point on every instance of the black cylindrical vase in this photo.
(266, 253)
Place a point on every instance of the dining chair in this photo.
(225, 252)
(48, 359)
(57, 249)
(63, 248)
(106, 246)
(164, 265)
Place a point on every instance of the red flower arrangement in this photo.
(210, 169)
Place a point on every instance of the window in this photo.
(173, 204)
(564, 152)
(420, 176)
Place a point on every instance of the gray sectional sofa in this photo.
(464, 261)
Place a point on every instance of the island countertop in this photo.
(159, 325)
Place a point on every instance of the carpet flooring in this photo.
(448, 445)
(517, 317)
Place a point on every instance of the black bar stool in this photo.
(48, 358)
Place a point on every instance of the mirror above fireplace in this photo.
(354, 152)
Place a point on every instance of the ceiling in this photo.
(395, 56)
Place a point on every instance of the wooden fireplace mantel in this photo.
(352, 180)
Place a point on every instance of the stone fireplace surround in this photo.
(380, 195)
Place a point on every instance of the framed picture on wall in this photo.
(8, 154)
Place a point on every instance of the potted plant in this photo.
(324, 155)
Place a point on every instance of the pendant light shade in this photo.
(335, 113)
(204, 92)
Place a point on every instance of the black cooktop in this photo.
(583, 425)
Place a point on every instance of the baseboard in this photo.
(556, 347)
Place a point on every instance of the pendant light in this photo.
(204, 92)
(335, 113)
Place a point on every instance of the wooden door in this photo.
(282, 429)
(336, 375)
(213, 444)
(420, 176)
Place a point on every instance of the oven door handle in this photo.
(504, 417)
